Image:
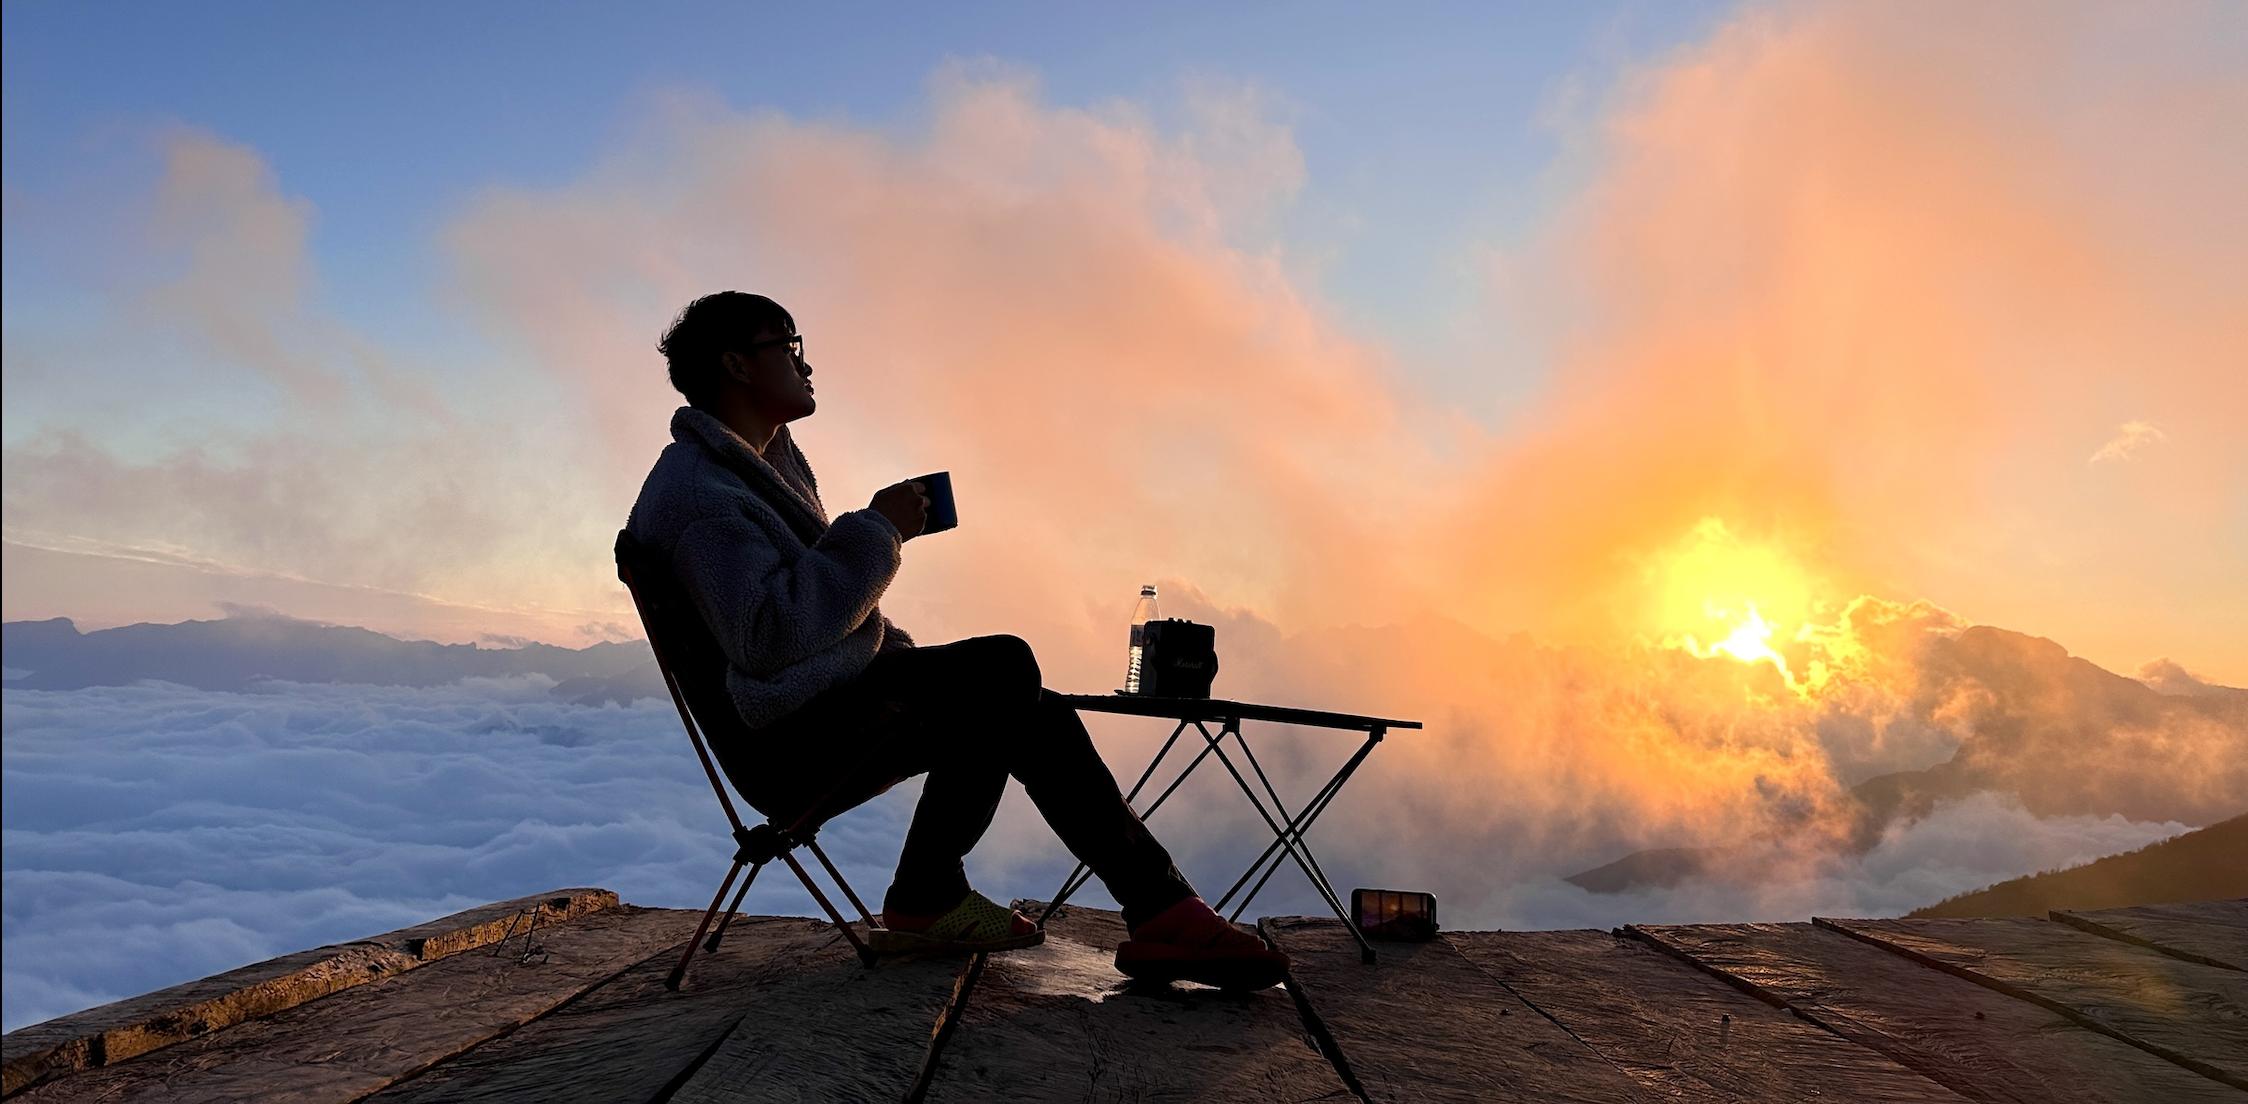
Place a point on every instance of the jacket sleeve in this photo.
(770, 613)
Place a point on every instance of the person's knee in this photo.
(1008, 666)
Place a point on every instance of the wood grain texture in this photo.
(1058, 1023)
(352, 1043)
(1979, 1043)
(631, 1038)
(826, 1028)
(1427, 1024)
(2191, 1014)
(123, 1029)
(1680, 1032)
(2213, 933)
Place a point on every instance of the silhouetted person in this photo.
(820, 676)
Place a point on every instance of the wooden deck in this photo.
(2146, 1004)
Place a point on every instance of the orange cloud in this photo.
(2129, 438)
(1865, 280)
(1832, 316)
(1039, 300)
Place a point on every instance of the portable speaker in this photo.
(1178, 659)
(1395, 914)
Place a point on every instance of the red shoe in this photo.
(1189, 942)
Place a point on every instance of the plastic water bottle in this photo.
(1142, 613)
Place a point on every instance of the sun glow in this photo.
(1715, 594)
(1746, 643)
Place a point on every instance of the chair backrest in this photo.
(685, 649)
(690, 655)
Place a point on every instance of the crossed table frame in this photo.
(1287, 829)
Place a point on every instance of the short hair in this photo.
(709, 327)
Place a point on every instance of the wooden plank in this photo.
(2194, 1015)
(1979, 1043)
(1426, 1024)
(826, 1028)
(120, 1030)
(1678, 1031)
(1057, 1022)
(355, 1042)
(630, 1039)
(2213, 933)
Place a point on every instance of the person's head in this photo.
(735, 349)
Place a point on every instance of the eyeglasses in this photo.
(795, 343)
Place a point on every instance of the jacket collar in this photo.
(695, 427)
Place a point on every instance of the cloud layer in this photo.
(157, 833)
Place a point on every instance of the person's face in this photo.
(773, 378)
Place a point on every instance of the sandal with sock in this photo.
(977, 923)
(1189, 942)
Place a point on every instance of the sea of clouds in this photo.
(1044, 298)
(155, 833)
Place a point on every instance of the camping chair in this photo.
(694, 670)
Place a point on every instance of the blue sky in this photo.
(1425, 131)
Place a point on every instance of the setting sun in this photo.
(1747, 642)
(1714, 593)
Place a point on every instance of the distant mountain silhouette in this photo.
(233, 653)
(2068, 737)
(2205, 865)
(2058, 732)
(1656, 866)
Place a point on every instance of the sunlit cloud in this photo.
(2130, 437)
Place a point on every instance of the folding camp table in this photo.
(1287, 829)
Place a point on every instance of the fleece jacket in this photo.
(789, 594)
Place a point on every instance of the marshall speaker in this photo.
(1395, 914)
(1178, 659)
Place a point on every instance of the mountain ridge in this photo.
(233, 653)
(2206, 864)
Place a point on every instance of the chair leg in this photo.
(866, 953)
(727, 917)
(679, 972)
(846, 886)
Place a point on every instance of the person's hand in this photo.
(906, 507)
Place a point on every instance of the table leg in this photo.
(1294, 830)
(1281, 837)
(1154, 763)
(1080, 874)
(1297, 828)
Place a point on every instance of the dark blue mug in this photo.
(937, 487)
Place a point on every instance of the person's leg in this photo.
(861, 736)
(942, 689)
(957, 803)
(988, 714)
(1054, 757)
(983, 716)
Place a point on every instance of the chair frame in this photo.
(755, 847)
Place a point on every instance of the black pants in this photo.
(967, 714)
